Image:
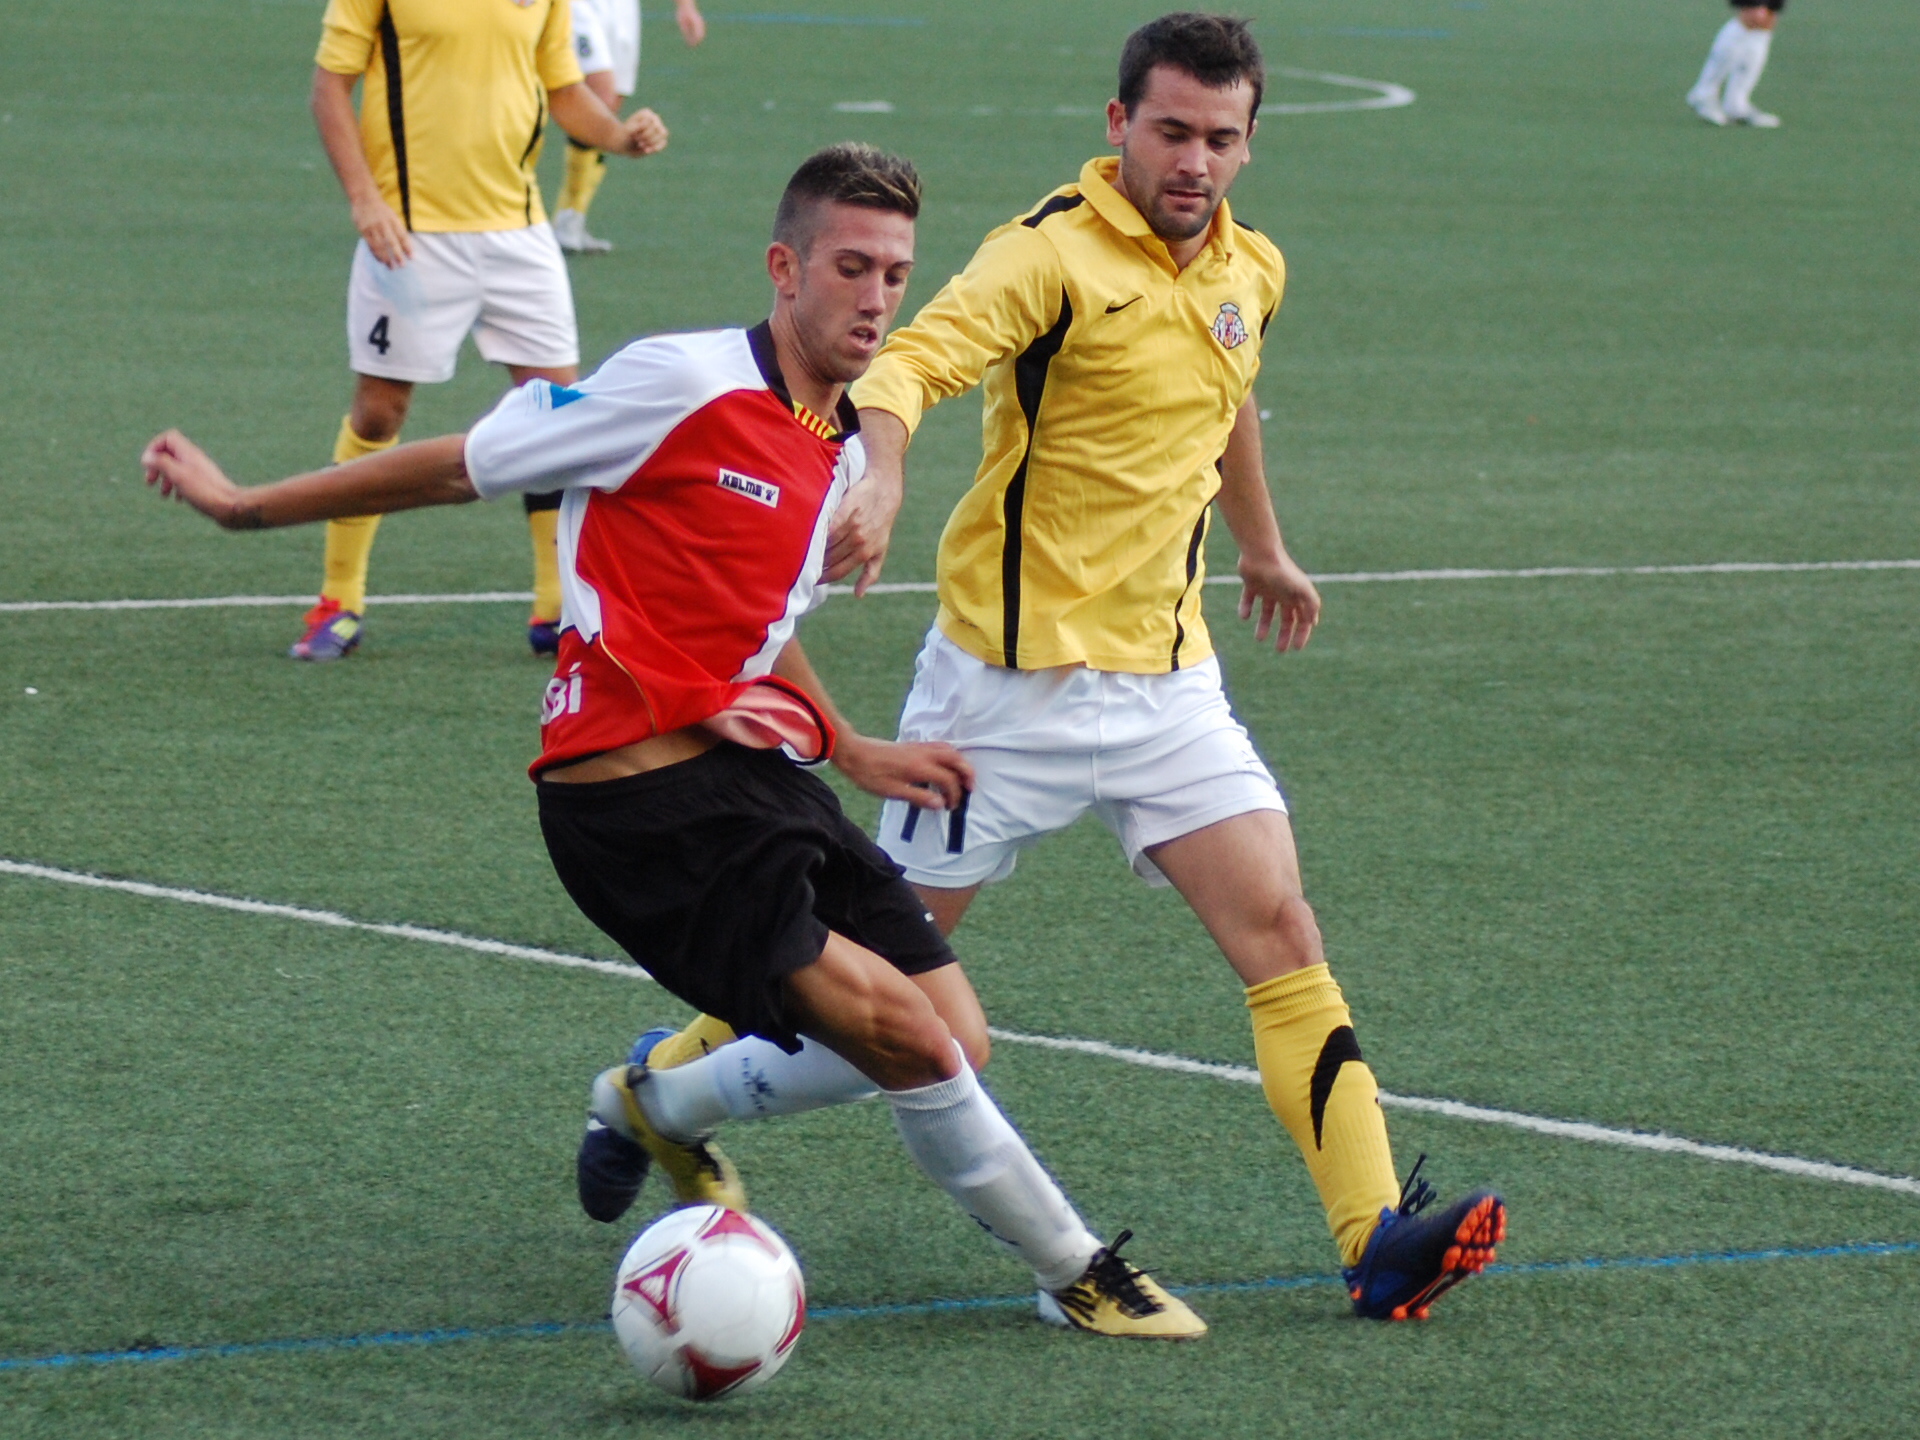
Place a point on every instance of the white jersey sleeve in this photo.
(595, 434)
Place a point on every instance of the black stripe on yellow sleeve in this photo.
(1052, 207)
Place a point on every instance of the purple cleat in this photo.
(331, 633)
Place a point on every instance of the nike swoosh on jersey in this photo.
(1116, 309)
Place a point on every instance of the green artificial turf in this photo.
(1635, 850)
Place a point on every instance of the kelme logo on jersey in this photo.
(767, 494)
(1228, 328)
(562, 697)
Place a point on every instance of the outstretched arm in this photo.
(1010, 292)
(930, 774)
(427, 472)
(1268, 576)
(863, 526)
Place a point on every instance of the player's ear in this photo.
(783, 268)
(1116, 123)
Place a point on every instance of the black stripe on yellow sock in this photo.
(1340, 1047)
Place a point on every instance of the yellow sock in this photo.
(586, 168)
(350, 542)
(542, 526)
(704, 1034)
(1325, 1095)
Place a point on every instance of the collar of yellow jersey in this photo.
(1096, 184)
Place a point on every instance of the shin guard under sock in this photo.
(1323, 1092)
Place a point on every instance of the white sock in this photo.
(748, 1079)
(1745, 74)
(959, 1138)
(1720, 58)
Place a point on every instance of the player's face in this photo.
(849, 286)
(1181, 149)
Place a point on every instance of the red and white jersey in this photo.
(692, 531)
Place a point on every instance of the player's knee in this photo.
(914, 1050)
(378, 413)
(1297, 933)
(974, 1042)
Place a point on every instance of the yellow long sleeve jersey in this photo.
(1112, 380)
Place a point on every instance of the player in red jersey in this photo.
(700, 475)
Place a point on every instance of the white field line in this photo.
(1454, 1109)
(242, 602)
(323, 917)
(1152, 1060)
(1386, 95)
(927, 587)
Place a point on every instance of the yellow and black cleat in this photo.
(1116, 1297)
(698, 1169)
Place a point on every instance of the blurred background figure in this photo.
(1723, 95)
(606, 37)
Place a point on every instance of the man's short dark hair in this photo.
(1217, 50)
(850, 173)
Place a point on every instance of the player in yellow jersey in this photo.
(439, 170)
(606, 38)
(1116, 330)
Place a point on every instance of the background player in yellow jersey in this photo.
(1116, 330)
(606, 38)
(439, 169)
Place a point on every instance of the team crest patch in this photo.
(1228, 328)
(767, 494)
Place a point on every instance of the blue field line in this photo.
(545, 1328)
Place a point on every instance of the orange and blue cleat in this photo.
(1412, 1259)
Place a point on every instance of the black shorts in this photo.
(722, 875)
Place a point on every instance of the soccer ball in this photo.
(708, 1302)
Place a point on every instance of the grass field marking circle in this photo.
(930, 587)
(1386, 95)
(1238, 1074)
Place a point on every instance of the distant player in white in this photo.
(1723, 95)
(606, 38)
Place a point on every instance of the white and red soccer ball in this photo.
(708, 1302)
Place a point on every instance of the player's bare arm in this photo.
(863, 526)
(585, 117)
(383, 230)
(693, 25)
(1269, 580)
(427, 472)
(932, 775)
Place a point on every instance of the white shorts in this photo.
(508, 288)
(606, 36)
(1155, 756)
